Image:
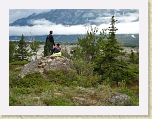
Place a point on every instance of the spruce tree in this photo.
(109, 64)
(22, 50)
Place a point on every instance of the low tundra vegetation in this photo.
(64, 88)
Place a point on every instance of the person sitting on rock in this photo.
(57, 48)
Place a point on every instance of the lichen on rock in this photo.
(119, 99)
(47, 63)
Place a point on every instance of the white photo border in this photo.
(142, 109)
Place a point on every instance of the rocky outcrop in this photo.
(120, 99)
(47, 63)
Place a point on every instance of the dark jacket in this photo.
(51, 39)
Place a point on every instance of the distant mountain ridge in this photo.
(123, 38)
(75, 16)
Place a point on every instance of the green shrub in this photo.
(62, 77)
(19, 62)
(93, 81)
(30, 80)
(13, 101)
(57, 101)
(83, 67)
(22, 90)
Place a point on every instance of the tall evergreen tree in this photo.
(22, 50)
(109, 64)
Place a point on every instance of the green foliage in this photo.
(45, 50)
(12, 47)
(19, 62)
(101, 54)
(65, 53)
(14, 101)
(35, 45)
(88, 45)
(57, 101)
(111, 68)
(22, 52)
(58, 88)
(92, 81)
(133, 71)
(22, 90)
(29, 81)
(62, 77)
(83, 67)
(15, 68)
(76, 53)
(134, 57)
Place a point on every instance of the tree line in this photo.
(22, 50)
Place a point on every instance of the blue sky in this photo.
(125, 26)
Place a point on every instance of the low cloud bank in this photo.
(42, 27)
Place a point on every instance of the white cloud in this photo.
(45, 27)
(42, 27)
(129, 28)
(126, 19)
(123, 28)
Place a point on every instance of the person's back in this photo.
(57, 48)
(49, 44)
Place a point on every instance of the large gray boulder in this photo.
(47, 63)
